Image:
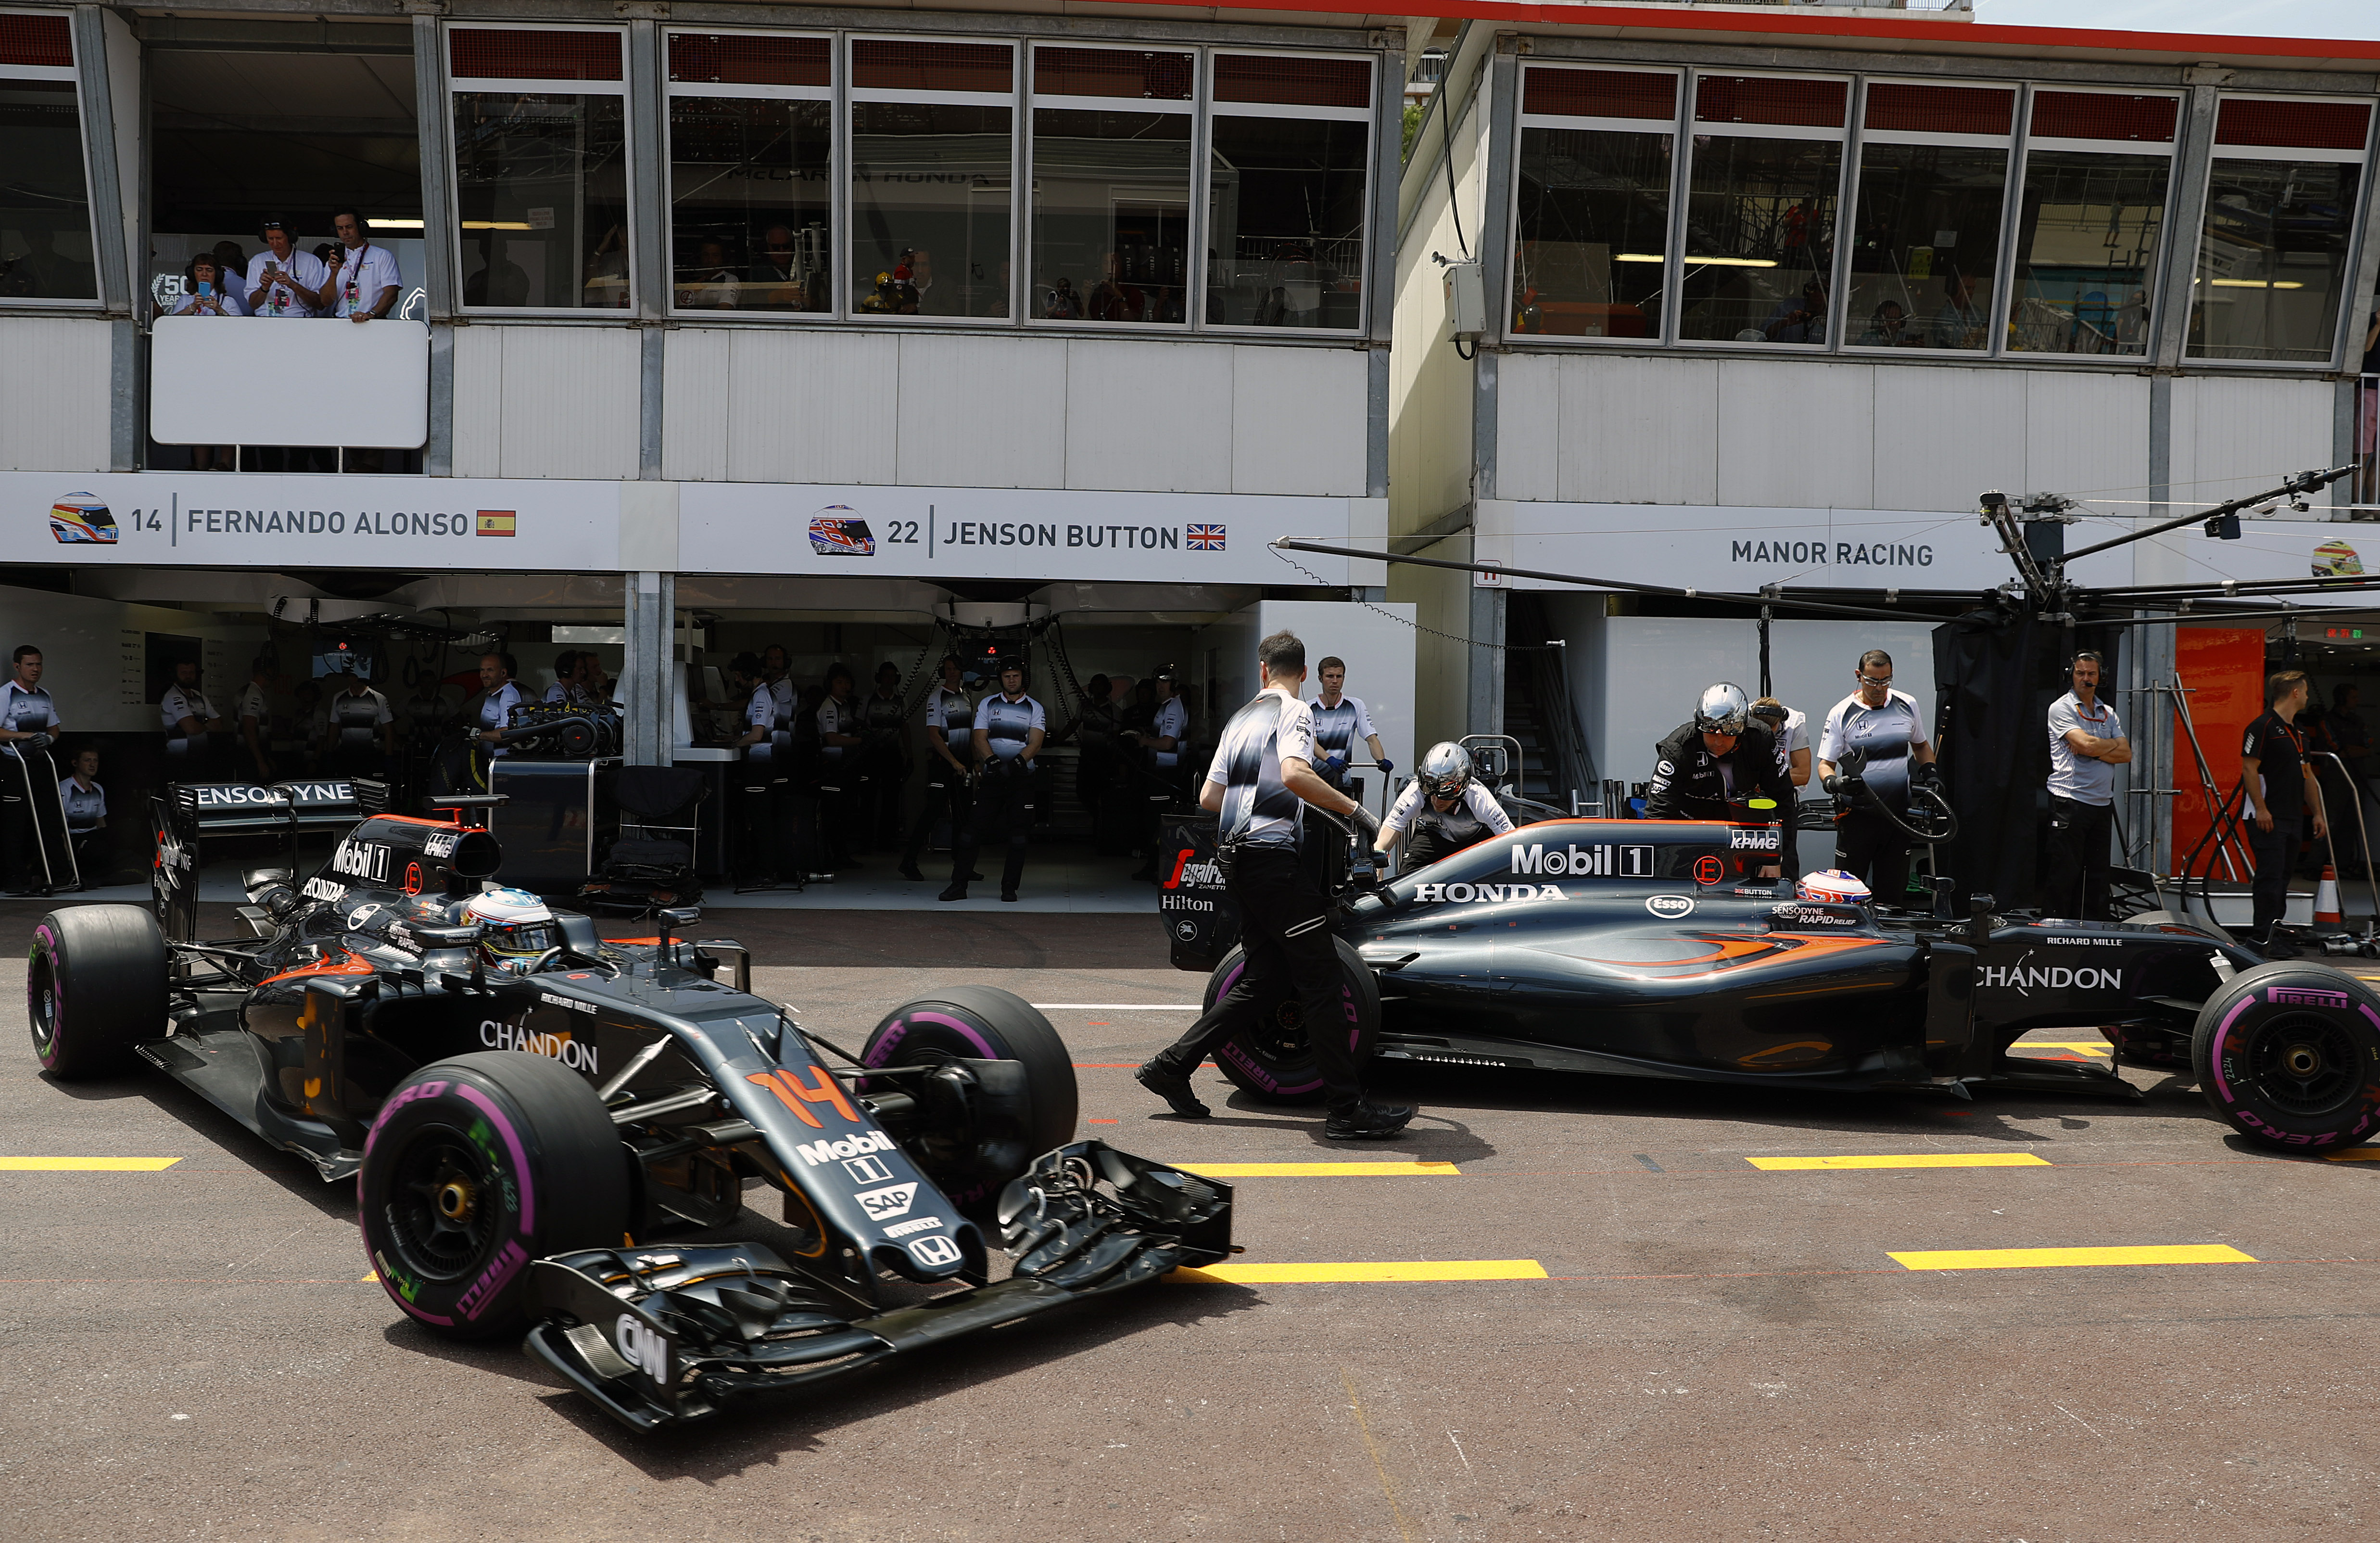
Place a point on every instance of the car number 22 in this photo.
(902, 532)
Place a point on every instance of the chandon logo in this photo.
(2051, 978)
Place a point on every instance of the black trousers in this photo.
(93, 853)
(2275, 853)
(1003, 813)
(1286, 928)
(2078, 859)
(1868, 846)
(946, 794)
(771, 842)
(885, 777)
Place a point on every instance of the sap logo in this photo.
(320, 888)
(2050, 977)
(1204, 875)
(2303, 996)
(817, 1153)
(1601, 862)
(1669, 907)
(1764, 839)
(1460, 895)
(923, 1224)
(883, 1205)
(367, 860)
(643, 1347)
(554, 1046)
(934, 1251)
(440, 844)
(552, 1001)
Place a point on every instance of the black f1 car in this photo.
(1643, 948)
(524, 1138)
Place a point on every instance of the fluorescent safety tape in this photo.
(1318, 1170)
(1903, 1159)
(2042, 1259)
(1404, 1270)
(85, 1164)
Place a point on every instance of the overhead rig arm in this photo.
(2303, 483)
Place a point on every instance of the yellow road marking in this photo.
(2355, 1154)
(1403, 1269)
(1316, 1169)
(85, 1165)
(370, 1279)
(1904, 1159)
(2041, 1258)
(2095, 1046)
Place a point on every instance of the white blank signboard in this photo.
(254, 379)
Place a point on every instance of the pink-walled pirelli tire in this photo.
(982, 1023)
(476, 1166)
(1275, 1063)
(2289, 1053)
(94, 987)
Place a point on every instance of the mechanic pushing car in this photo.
(1259, 782)
(1443, 811)
(1887, 731)
(1714, 765)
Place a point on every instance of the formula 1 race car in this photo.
(1641, 948)
(528, 1109)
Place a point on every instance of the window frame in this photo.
(630, 190)
(850, 93)
(1678, 130)
(2217, 150)
(1195, 266)
(1203, 167)
(838, 140)
(69, 73)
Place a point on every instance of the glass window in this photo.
(45, 238)
(1933, 179)
(1110, 185)
(2280, 207)
(540, 176)
(749, 199)
(1591, 232)
(931, 182)
(1289, 161)
(2088, 222)
(1760, 210)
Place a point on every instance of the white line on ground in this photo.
(1116, 1006)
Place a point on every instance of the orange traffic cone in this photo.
(2326, 899)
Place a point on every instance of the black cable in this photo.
(1453, 203)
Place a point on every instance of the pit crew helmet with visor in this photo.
(1722, 709)
(515, 928)
(1445, 771)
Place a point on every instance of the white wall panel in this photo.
(1528, 425)
(2085, 432)
(1638, 429)
(980, 412)
(570, 401)
(1943, 436)
(1796, 434)
(54, 393)
(1298, 421)
(812, 406)
(478, 401)
(695, 403)
(1149, 416)
(2232, 437)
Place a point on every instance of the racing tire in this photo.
(1276, 1064)
(984, 1023)
(94, 988)
(2289, 1053)
(476, 1166)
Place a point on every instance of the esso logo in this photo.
(1669, 907)
(1709, 870)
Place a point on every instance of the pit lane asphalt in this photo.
(1718, 1351)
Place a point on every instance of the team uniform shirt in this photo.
(2073, 774)
(1005, 723)
(557, 692)
(1478, 801)
(1689, 783)
(252, 704)
(1174, 720)
(836, 717)
(1791, 735)
(347, 711)
(362, 275)
(86, 806)
(25, 712)
(2279, 749)
(181, 702)
(1340, 731)
(1258, 808)
(951, 714)
(496, 712)
(1887, 733)
(283, 300)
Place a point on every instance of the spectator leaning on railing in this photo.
(367, 283)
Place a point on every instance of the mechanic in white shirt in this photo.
(1009, 728)
(565, 677)
(1162, 743)
(496, 706)
(366, 284)
(2086, 744)
(86, 808)
(1339, 721)
(1791, 730)
(254, 714)
(1887, 728)
(26, 712)
(949, 749)
(189, 718)
(357, 717)
(839, 738)
(1458, 810)
(283, 281)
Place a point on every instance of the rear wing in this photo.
(186, 813)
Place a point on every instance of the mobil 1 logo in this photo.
(1602, 861)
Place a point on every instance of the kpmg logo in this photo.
(834, 534)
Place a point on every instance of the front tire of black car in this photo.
(981, 1022)
(475, 1167)
(1276, 1063)
(2289, 1053)
(95, 986)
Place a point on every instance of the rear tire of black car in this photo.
(1276, 1064)
(2289, 1053)
(476, 1166)
(94, 988)
(982, 1023)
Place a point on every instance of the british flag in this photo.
(1206, 538)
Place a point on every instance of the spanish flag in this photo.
(496, 522)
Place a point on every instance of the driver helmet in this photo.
(1832, 887)
(515, 929)
(1722, 709)
(1446, 770)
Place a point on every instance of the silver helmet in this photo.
(1722, 709)
(1445, 771)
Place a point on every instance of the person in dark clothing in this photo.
(2282, 792)
(1711, 766)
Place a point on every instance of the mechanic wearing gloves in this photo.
(1443, 811)
(1162, 744)
(1885, 726)
(2282, 792)
(27, 714)
(949, 749)
(1009, 728)
(1339, 721)
(2086, 744)
(1261, 779)
(1712, 766)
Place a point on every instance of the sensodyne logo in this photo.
(2051, 978)
(1600, 862)
(1459, 894)
(1669, 907)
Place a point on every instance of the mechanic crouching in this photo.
(1443, 811)
(1714, 765)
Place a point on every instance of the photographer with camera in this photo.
(1009, 728)
(1885, 728)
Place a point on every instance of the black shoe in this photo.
(1174, 1090)
(909, 871)
(956, 892)
(974, 877)
(1365, 1122)
(1009, 896)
